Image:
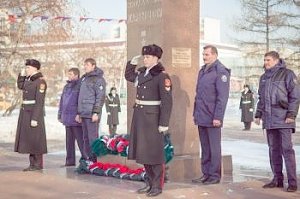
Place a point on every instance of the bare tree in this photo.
(266, 25)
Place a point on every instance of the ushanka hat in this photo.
(153, 49)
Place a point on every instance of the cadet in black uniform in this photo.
(112, 104)
(151, 116)
(31, 135)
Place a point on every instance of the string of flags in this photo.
(14, 18)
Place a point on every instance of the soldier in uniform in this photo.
(31, 135)
(112, 104)
(277, 107)
(90, 102)
(246, 106)
(151, 116)
(212, 94)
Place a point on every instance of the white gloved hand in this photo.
(23, 72)
(33, 123)
(135, 60)
(251, 109)
(163, 129)
(108, 113)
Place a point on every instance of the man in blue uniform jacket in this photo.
(277, 107)
(212, 94)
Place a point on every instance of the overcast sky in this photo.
(225, 11)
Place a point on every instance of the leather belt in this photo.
(147, 102)
(28, 102)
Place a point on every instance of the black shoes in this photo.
(145, 189)
(273, 184)
(32, 168)
(291, 188)
(202, 179)
(211, 181)
(154, 192)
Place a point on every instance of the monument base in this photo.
(181, 168)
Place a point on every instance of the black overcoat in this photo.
(246, 106)
(30, 139)
(146, 143)
(112, 104)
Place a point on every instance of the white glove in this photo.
(23, 72)
(33, 123)
(251, 109)
(162, 129)
(108, 113)
(135, 60)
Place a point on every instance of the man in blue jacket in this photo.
(212, 94)
(277, 107)
(90, 102)
(67, 113)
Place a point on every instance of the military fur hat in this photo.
(33, 62)
(153, 49)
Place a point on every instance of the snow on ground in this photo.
(245, 154)
(54, 129)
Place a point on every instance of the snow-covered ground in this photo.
(245, 154)
(54, 129)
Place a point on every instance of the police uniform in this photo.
(152, 109)
(29, 139)
(212, 94)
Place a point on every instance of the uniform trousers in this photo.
(36, 160)
(112, 129)
(210, 139)
(247, 125)
(156, 175)
(90, 134)
(280, 144)
(74, 133)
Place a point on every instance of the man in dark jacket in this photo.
(246, 106)
(151, 116)
(277, 107)
(66, 114)
(112, 105)
(212, 94)
(90, 102)
(31, 134)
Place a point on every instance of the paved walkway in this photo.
(56, 182)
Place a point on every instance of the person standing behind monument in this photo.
(246, 106)
(212, 94)
(67, 113)
(277, 107)
(112, 104)
(31, 133)
(151, 116)
(90, 102)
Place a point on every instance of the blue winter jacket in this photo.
(68, 103)
(92, 93)
(279, 97)
(212, 94)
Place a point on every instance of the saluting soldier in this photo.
(31, 134)
(112, 104)
(151, 116)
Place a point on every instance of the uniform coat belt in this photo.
(147, 102)
(246, 102)
(28, 102)
(113, 105)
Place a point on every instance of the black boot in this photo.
(274, 183)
